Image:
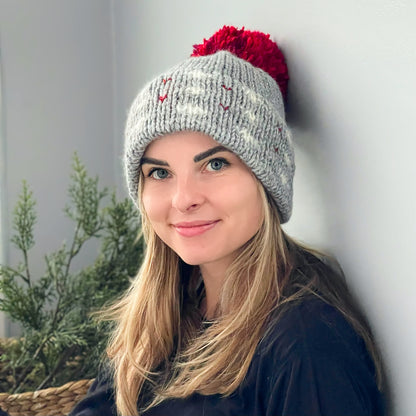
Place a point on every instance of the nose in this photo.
(188, 195)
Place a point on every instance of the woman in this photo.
(228, 315)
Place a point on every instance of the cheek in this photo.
(255, 211)
(146, 203)
(153, 205)
(248, 204)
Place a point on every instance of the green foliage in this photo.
(60, 340)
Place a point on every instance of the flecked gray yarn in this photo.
(238, 105)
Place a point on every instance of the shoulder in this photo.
(310, 351)
(99, 400)
(311, 325)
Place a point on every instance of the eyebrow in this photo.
(153, 161)
(197, 158)
(210, 152)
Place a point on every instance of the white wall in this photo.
(352, 65)
(57, 69)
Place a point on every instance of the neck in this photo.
(213, 281)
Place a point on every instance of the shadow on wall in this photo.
(311, 221)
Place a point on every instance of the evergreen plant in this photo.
(60, 341)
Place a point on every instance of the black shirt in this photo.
(309, 363)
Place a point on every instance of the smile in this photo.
(192, 229)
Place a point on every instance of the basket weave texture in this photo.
(54, 401)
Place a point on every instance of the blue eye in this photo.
(216, 164)
(159, 173)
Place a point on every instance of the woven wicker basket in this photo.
(55, 401)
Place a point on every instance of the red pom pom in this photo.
(253, 46)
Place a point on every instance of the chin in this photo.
(192, 260)
(196, 259)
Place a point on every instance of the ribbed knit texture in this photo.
(238, 105)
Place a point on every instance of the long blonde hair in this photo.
(158, 338)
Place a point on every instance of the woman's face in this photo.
(200, 198)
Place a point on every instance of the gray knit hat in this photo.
(239, 105)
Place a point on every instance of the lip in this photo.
(194, 228)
